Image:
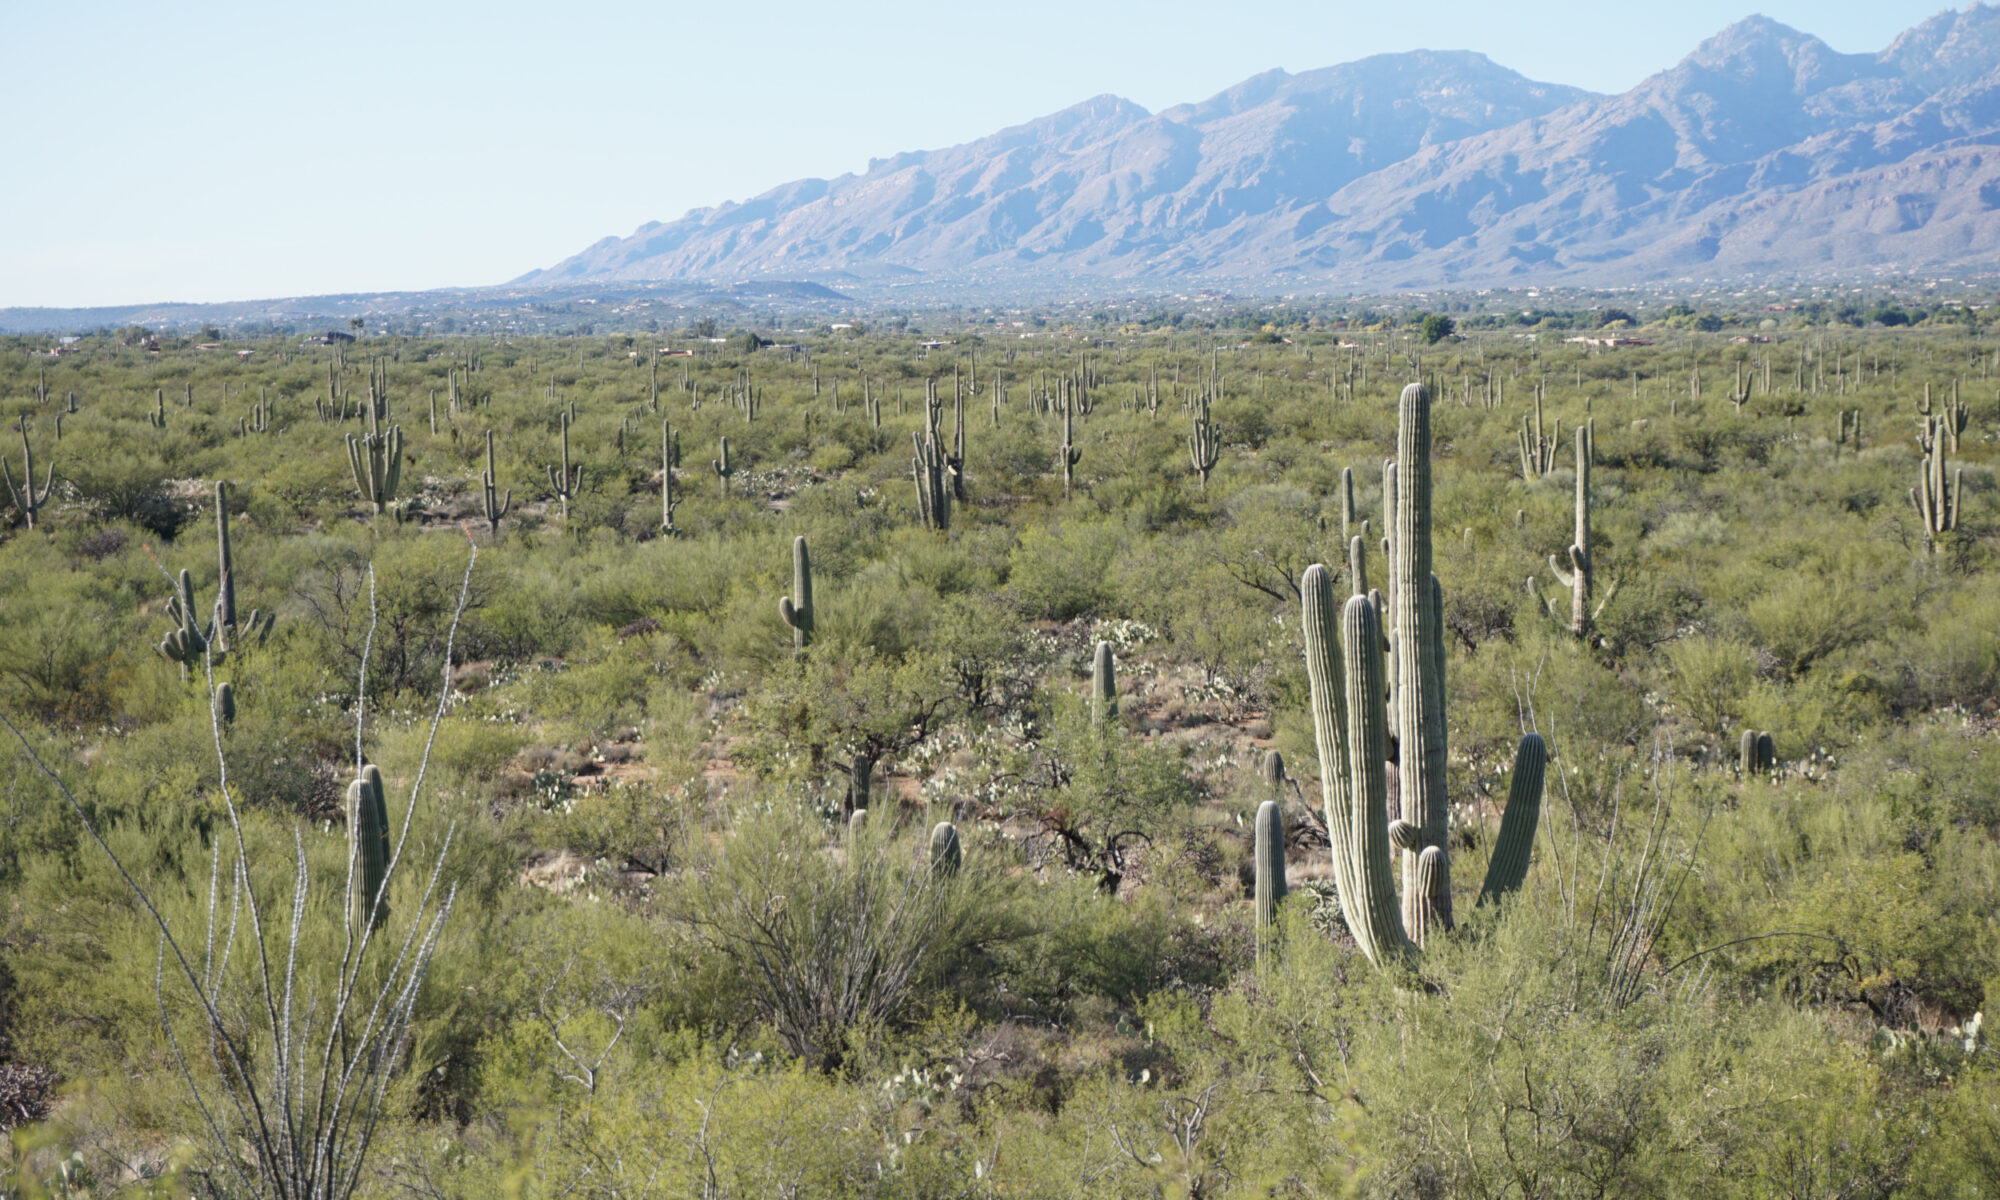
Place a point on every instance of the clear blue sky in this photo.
(237, 150)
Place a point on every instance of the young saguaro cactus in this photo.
(797, 608)
(947, 852)
(1269, 856)
(189, 642)
(368, 846)
(1507, 870)
(25, 499)
(1103, 685)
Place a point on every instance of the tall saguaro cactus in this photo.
(1581, 576)
(797, 608)
(669, 501)
(1416, 612)
(227, 632)
(25, 499)
(491, 501)
(565, 480)
(1203, 449)
(1067, 453)
(1344, 672)
(1936, 504)
(930, 468)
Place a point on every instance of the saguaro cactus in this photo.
(25, 499)
(186, 644)
(1067, 454)
(1103, 684)
(491, 502)
(1582, 573)
(947, 854)
(1416, 611)
(368, 846)
(1937, 505)
(1203, 449)
(227, 631)
(930, 468)
(1269, 856)
(1273, 770)
(669, 501)
(797, 608)
(1757, 753)
(565, 480)
(1508, 868)
(377, 460)
(1344, 672)
(721, 465)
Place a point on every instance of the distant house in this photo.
(331, 337)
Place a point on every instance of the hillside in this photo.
(1764, 150)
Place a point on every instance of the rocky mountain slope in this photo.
(1763, 152)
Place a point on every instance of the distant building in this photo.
(331, 337)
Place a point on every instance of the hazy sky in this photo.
(237, 150)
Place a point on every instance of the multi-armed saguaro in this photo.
(24, 497)
(1067, 453)
(1351, 724)
(1581, 576)
(565, 480)
(1203, 449)
(377, 459)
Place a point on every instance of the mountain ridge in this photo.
(1418, 168)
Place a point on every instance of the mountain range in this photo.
(1765, 152)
